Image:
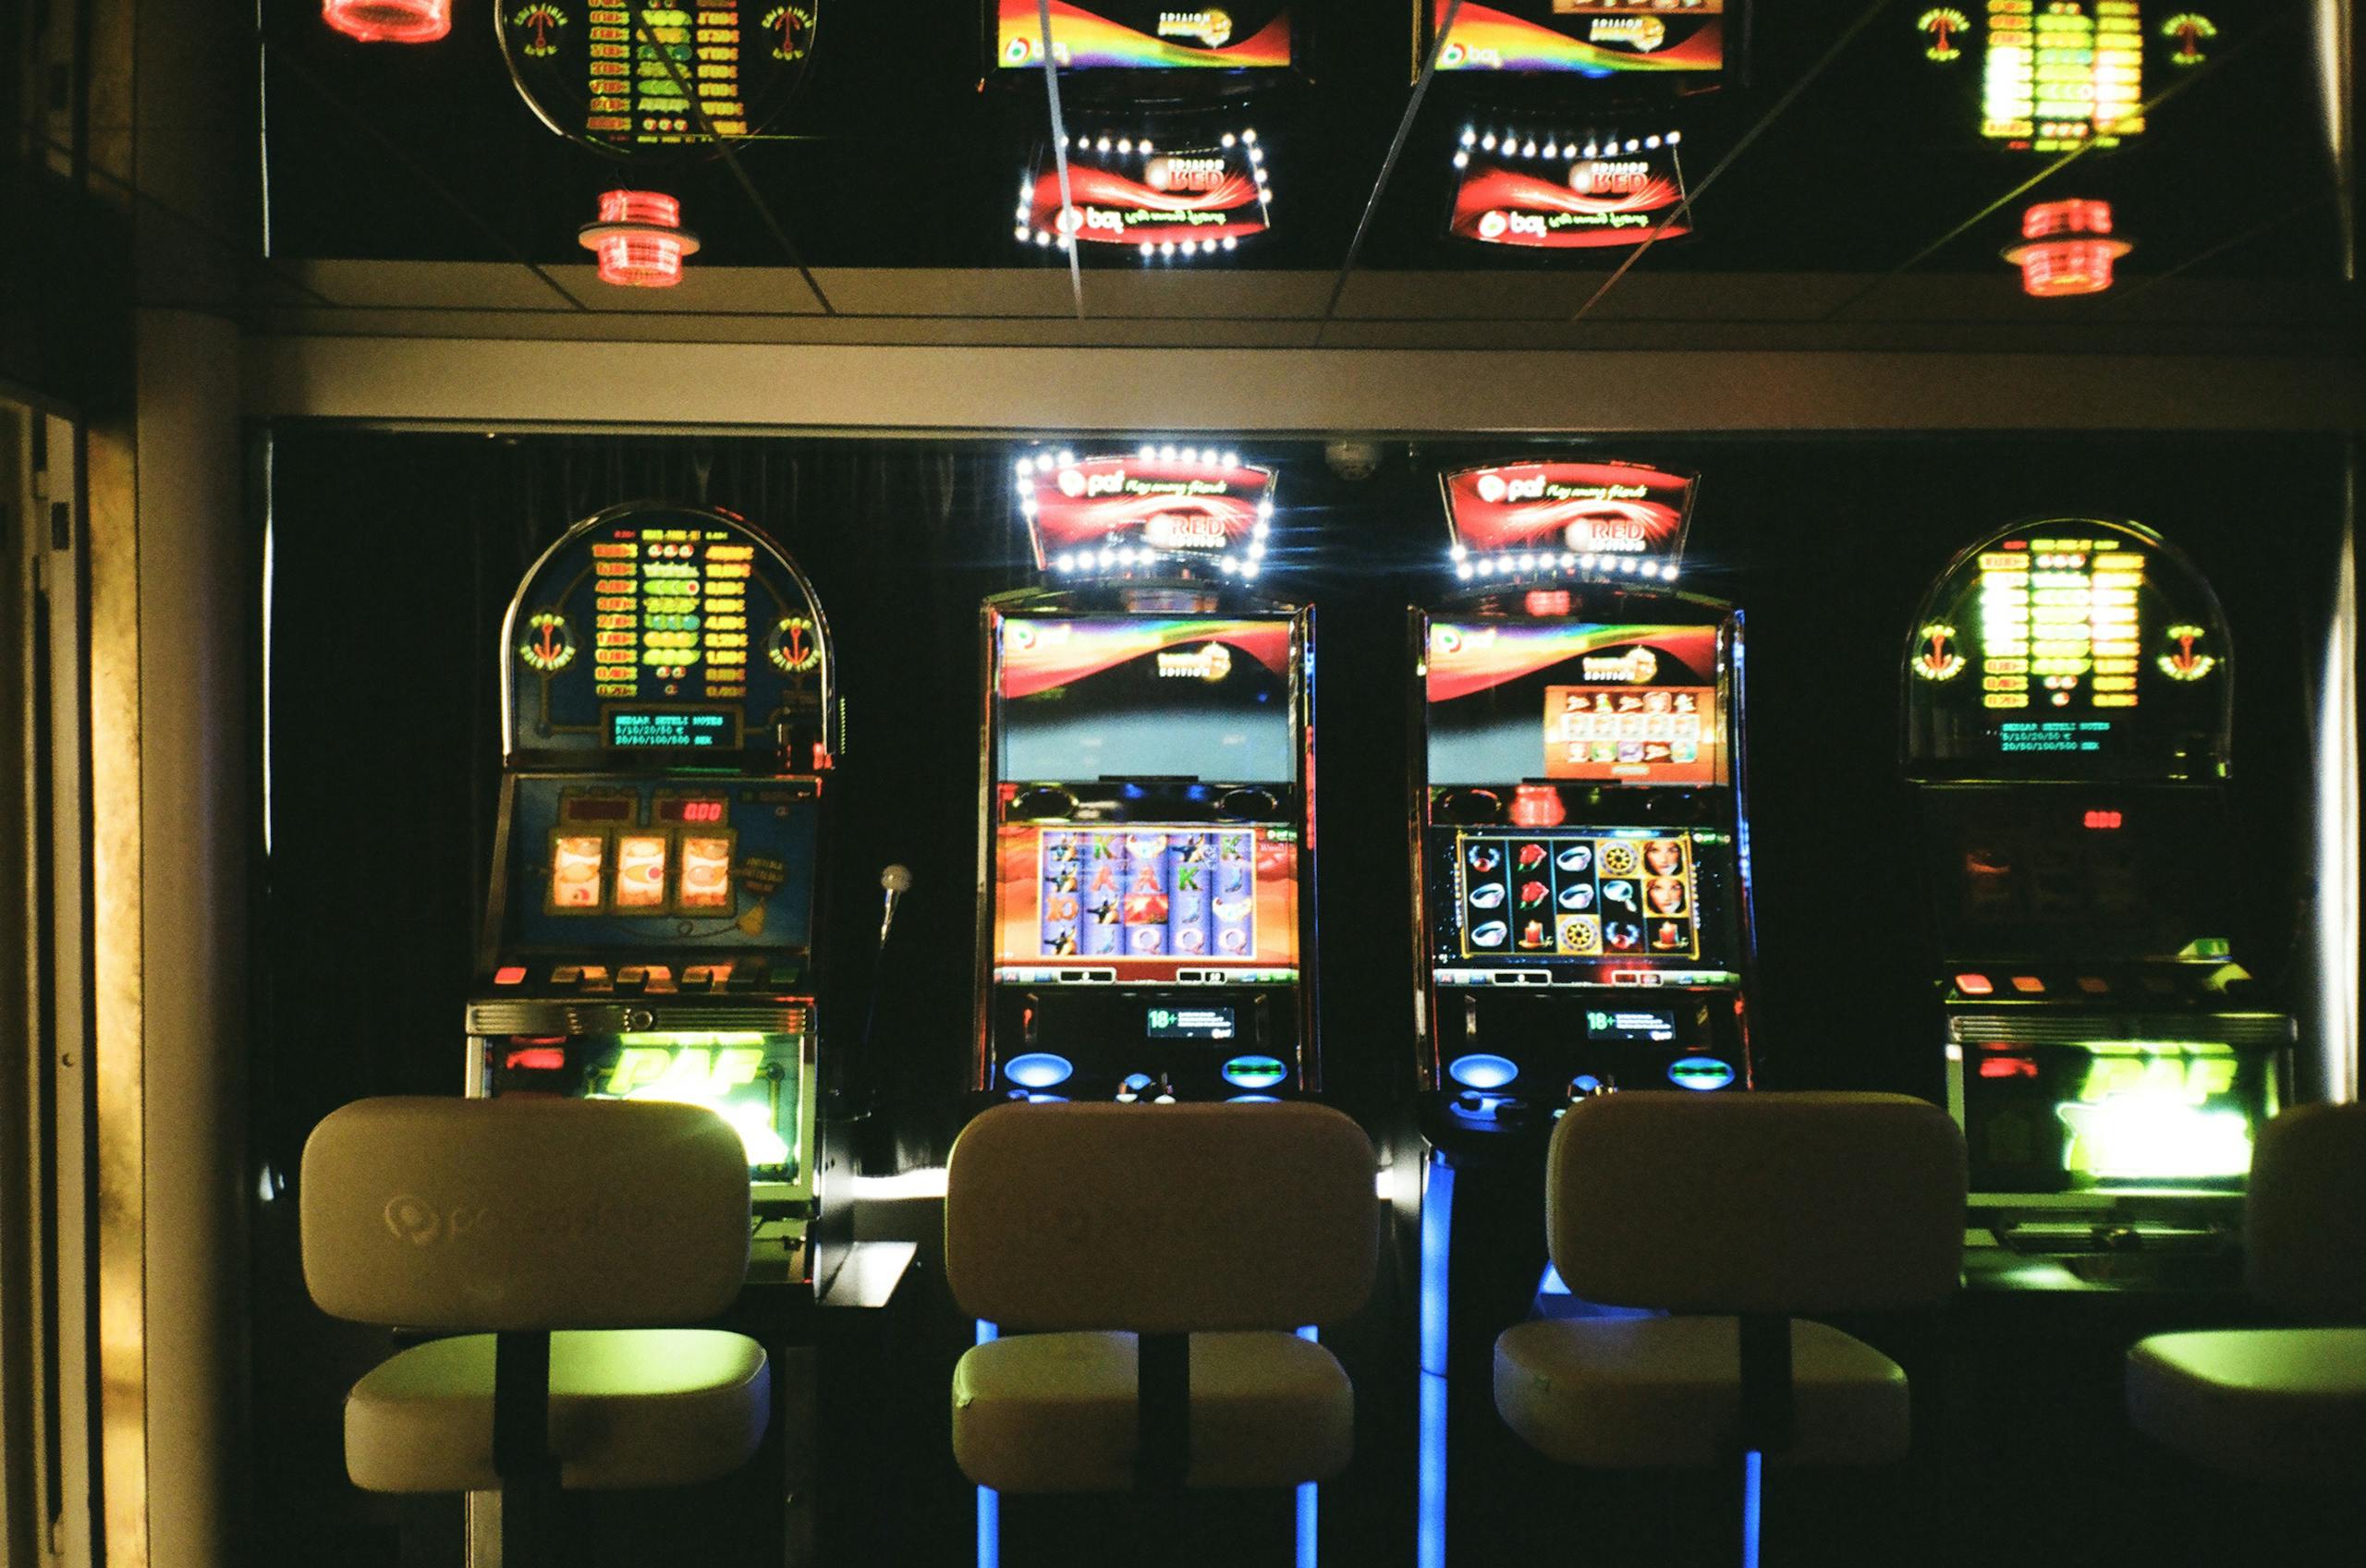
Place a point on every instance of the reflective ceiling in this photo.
(1842, 197)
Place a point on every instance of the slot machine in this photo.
(1581, 914)
(668, 725)
(2069, 722)
(1146, 905)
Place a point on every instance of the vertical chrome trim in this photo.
(2338, 848)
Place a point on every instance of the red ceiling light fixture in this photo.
(640, 239)
(389, 21)
(2068, 249)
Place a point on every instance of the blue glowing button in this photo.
(1254, 1072)
(1253, 1099)
(1038, 1070)
(1700, 1072)
(1483, 1071)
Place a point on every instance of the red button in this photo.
(2029, 985)
(510, 975)
(1973, 985)
(2094, 986)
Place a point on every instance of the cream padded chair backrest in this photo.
(1160, 1219)
(2304, 1224)
(523, 1213)
(1798, 1203)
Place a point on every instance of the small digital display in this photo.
(1144, 902)
(1189, 1023)
(1142, 697)
(672, 729)
(599, 809)
(1629, 1026)
(1595, 38)
(1511, 702)
(689, 812)
(1594, 731)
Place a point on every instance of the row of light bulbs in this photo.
(1487, 141)
(1526, 564)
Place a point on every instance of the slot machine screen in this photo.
(1143, 902)
(2061, 875)
(2069, 649)
(1565, 701)
(674, 865)
(1595, 897)
(1139, 697)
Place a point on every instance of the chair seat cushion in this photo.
(1633, 1393)
(630, 1408)
(2284, 1402)
(1056, 1413)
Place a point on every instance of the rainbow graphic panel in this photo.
(1596, 38)
(1133, 36)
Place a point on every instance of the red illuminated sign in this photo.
(1620, 511)
(1551, 192)
(1199, 196)
(389, 21)
(2103, 820)
(1159, 502)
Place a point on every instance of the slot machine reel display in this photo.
(670, 723)
(1145, 911)
(1578, 807)
(656, 83)
(2069, 706)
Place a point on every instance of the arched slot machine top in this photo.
(2070, 649)
(654, 635)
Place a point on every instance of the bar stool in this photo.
(547, 1235)
(1159, 1258)
(2290, 1402)
(1755, 1207)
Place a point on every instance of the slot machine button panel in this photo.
(1253, 805)
(1041, 801)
